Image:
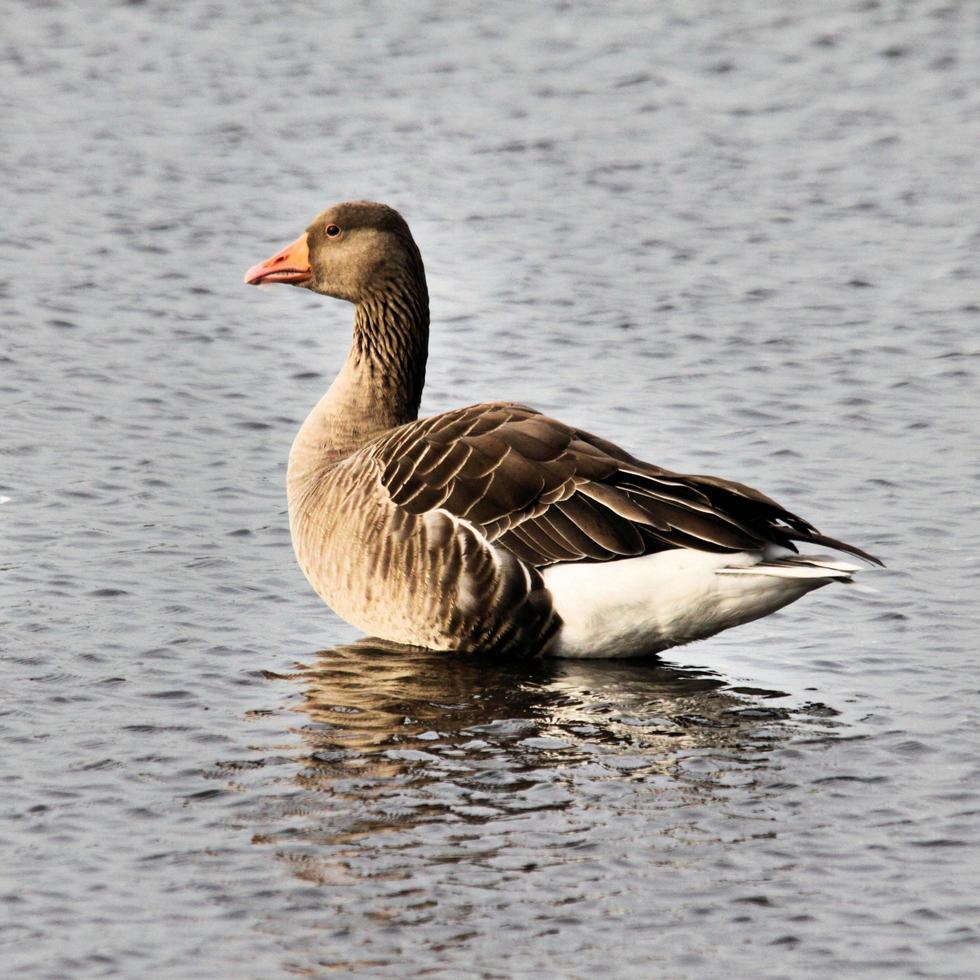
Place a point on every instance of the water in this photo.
(736, 241)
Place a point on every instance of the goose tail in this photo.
(817, 567)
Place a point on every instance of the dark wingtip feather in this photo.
(817, 538)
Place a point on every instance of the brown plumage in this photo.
(433, 532)
(554, 493)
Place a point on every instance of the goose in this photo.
(495, 528)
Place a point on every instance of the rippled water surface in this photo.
(736, 238)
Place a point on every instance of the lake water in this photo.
(737, 239)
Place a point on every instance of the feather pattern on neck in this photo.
(380, 385)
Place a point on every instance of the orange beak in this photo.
(292, 264)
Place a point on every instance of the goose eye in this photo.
(333, 231)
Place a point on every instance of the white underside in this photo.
(639, 606)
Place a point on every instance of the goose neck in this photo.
(380, 384)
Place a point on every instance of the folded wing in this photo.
(550, 493)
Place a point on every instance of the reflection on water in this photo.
(402, 747)
(368, 697)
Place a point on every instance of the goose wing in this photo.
(549, 493)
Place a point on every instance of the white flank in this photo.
(642, 605)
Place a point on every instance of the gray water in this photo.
(737, 238)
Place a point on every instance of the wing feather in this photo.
(548, 493)
(452, 457)
(573, 536)
(546, 546)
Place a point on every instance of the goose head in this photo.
(358, 251)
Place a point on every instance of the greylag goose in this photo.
(494, 527)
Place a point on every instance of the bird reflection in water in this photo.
(401, 742)
(370, 697)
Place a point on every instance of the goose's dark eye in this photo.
(333, 231)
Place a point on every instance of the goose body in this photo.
(494, 527)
